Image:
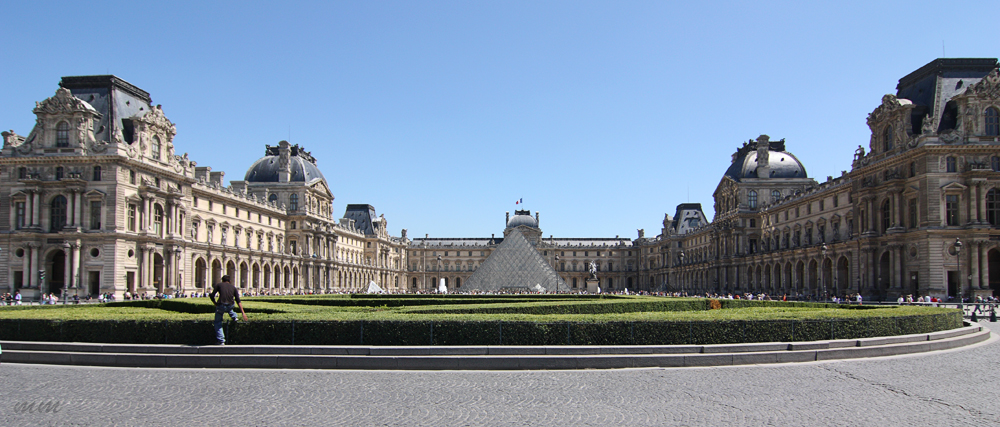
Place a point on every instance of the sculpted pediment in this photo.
(954, 186)
(64, 103)
(987, 88)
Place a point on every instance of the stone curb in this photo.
(480, 357)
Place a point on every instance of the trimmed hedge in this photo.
(486, 332)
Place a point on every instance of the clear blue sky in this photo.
(603, 116)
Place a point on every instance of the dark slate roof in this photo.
(689, 216)
(363, 216)
(514, 265)
(114, 98)
(782, 164)
(930, 87)
(266, 170)
(919, 86)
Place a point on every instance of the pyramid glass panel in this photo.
(515, 265)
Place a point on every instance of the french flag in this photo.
(519, 201)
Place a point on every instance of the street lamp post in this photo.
(958, 260)
(822, 266)
(553, 267)
(682, 263)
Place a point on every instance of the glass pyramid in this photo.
(515, 265)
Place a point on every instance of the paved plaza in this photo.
(957, 387)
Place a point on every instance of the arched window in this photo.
(293, 202)
(62, 134)
(272, 198)
(993, 207)
(155, 149)
(752, 199)
(57, 213)
(775, 195)
(158, 220)
(887, 138)
(886, 216)
(992, 121)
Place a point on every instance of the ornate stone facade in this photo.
(95, 201)
(889, 227)
(95, 197)
(930, 175)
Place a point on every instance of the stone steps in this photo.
(479, 357)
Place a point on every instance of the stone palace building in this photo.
(95, 200)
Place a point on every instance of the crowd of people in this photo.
(9, 299)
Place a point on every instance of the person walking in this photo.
(228, 294)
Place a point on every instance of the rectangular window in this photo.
(951, 165)
(131, 177)
(822, 233)
(131, 216)
(951, 209)
(822, 204)
(19, 208)
(95, 215)
(97, 174)
(836, 200)
(913, 213)
(22, 173)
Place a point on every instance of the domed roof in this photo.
(301, 166)
(782, 164)
(522, 218)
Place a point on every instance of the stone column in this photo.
(68, 271)
(77, 267)
(976, 259)
(894, 197)
(900, 218)
(36, 207)
(981, 200)
(984, 272)
(33, 273)
(26, 275)
(894, 258)
(872, 215)
(70, 211)
(79, 209)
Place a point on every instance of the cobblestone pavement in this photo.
(957, 387)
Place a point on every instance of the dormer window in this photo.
(887, 138)
(156, 148)
(992, 121)
(62, 134)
